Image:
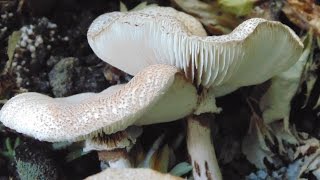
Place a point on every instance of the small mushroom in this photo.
(113, 148)
(133, 174)
(217, 65)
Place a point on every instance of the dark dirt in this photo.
(63, 64)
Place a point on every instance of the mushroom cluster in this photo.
(178, 71)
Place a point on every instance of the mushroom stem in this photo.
(117, 158)
(201, 149)
(120, 163)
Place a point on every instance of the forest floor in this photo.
(51, 55)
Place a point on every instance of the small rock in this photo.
(61, 77)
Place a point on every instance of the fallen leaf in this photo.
(160, 160)
(255, 148)
(303, 13)
(12, 43)
(283, 137)
(210, 15)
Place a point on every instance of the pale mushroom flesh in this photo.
(254, 52)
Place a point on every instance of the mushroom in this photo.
(162, 35)
(217, 65)
(133, 174)
(113, 148)
(146, 99)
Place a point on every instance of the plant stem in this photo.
(201, 149)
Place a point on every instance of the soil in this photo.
(54, 58)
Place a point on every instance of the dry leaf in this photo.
(254, 146)
(303, 13)
(160, 160)
(283, 137)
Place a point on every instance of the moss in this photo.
(33, 161)
(29, 170)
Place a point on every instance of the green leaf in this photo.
(237, 7)
(317, 104)
(12, 43)
(17, 142)
(210, 15)
(139, 6)
(8, 145)
(123, 7)
(181, 169)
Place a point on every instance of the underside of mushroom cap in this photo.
(255, 51)
(120, 140)
(62, 119)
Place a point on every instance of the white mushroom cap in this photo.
(254, 52)
(110, 111)
(132, 174)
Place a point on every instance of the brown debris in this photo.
(7, 82)
(303, 13)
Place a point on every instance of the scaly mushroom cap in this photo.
(133, 174)
(110, 111)
(255, 51)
